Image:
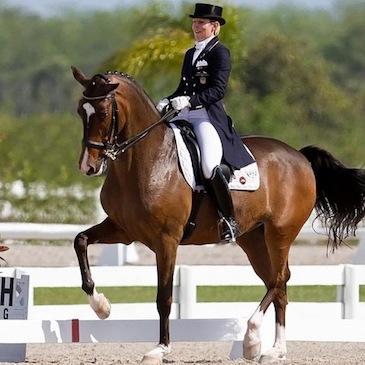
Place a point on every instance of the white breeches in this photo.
(208, 139)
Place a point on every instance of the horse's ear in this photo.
(79, 76)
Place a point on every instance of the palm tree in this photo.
(155, 58)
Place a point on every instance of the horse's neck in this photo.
(152, 159)
(154, 156)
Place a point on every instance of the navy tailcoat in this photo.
(205, 82)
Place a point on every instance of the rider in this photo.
(198, 99)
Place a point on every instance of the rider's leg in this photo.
(211, 154)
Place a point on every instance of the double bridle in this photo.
(111, 146)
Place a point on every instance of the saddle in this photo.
(190, 166)
(191, 143)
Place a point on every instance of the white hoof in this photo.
(273, 355)
(252, 351)
(100, 304)
(155, 356)
(150, 360)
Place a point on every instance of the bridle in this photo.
(111, 146)
(111, 140)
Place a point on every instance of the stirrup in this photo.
(228, 230)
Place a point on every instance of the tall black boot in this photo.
(221, 194)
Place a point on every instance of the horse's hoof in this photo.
(252, 352)
(274, 355)
(151, 360)
(100, 304)
(105, 309)
(155, 356)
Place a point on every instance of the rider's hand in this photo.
(162, 104)
(180, 102)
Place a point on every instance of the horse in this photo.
(147, 199)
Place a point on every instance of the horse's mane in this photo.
(132, 82)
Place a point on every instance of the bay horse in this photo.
(147, 199)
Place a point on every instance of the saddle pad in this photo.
(247, 178)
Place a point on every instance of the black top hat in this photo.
(208, 11)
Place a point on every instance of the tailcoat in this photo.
(205, 82)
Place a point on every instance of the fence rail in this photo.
(347, 279)
(190, 321)
(119, 254)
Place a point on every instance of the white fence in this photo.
(120, 254)
(347, 279)
(191, 320)
(343, 320)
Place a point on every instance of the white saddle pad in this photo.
(247, 178)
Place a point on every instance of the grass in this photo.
(51, 296)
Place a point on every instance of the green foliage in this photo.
(155, 57)
(40, 181)
(44, 148)
(297, 76)
(289, 88)
(36, 55)
(347, 50)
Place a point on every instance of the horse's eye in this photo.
(103, 115)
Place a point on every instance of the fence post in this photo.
(359, 257)
(188, 296)
(351, 293)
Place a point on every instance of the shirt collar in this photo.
(202, 44)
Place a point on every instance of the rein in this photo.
(122, 147)
(111, 146)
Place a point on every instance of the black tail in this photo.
(340, 194)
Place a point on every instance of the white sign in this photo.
(14, 293)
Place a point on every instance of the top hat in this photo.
(208, 11)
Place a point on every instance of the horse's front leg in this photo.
(165, 267)
(105, 232)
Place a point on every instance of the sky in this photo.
(54, 7)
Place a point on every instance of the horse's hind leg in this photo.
(253, 243)
(269, 259)
(106, 232)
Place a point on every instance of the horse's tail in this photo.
(340, 194)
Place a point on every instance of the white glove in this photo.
(161, 105)
(180, 102)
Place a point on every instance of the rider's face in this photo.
(203, 28)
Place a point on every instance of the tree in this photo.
(155, 59)
(347, 49)
(292, 95)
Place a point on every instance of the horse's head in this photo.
(99, 113)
